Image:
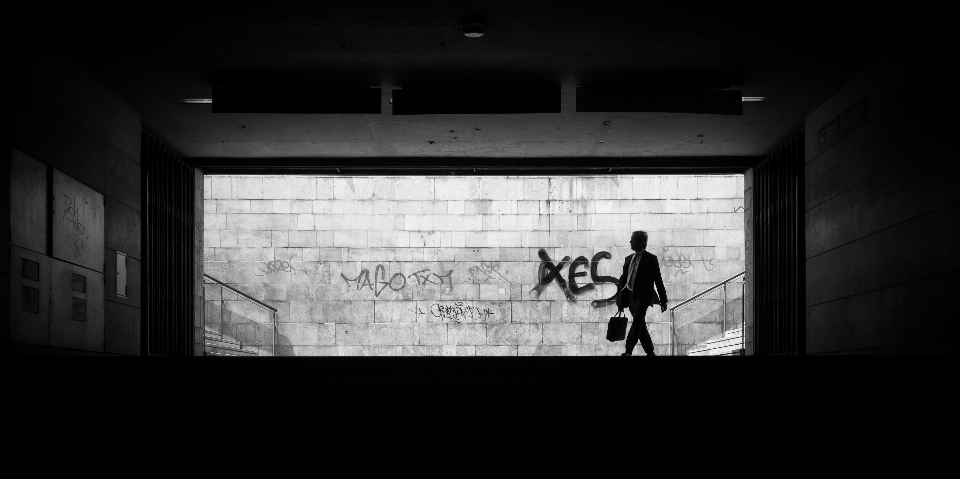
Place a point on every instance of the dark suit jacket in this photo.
(648, 276)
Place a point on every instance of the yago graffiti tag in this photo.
(426, 276)
(396, 282)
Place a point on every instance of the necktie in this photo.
(633, 270)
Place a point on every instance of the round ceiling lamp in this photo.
(473, 29)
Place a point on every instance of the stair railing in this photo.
(270, 310)
(723, 314)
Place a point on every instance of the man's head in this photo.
(638, 241)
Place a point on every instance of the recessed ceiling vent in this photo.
(285, 99)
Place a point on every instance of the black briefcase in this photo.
(617, 327)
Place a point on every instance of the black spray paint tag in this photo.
(853, 118)
(828, 135)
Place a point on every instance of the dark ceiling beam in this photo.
(477, 166)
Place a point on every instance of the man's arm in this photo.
(661, 291)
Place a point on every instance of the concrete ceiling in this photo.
(154, 53)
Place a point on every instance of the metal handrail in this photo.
(261, 304)
(673, 323)
(708, 290)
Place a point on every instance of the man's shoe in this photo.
(626, 354)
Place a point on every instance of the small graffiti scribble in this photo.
(271, 267)
(31, 179)
(484, 271)
(459, 312)
(77, 212)
(684, 263)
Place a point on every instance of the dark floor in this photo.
(543, 398)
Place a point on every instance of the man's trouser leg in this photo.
(638, 331)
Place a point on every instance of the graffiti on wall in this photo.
(396, 282)
(548, 272)
(426, 276)
(79, 212)
(458, 312)
(32, 179)
(683, 263)
(484, 271)
(271, 267)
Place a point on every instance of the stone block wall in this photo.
(462, 265)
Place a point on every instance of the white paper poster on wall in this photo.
(78, 215)
(121, 275)
(28, 202)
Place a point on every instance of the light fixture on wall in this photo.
(757, 99)
(473, 29)
(193, 101)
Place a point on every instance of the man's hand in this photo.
(663, 307)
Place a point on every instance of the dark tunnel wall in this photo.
(882, 217)
(61, 116)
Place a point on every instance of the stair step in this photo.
(724, 352)
(220, 345)
(719, 341)
(215, 353)
(715, 351)
(225, 345)
(719, 344)
(230, 351)
(228, 342)
(733, 333)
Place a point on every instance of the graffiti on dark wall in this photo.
(549, 272)
(78, 212)
(396, 282)
(32, 179)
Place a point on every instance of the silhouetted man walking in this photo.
(641, 272)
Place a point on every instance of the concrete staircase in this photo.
(216, 345)
(727, 345)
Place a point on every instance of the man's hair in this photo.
(642, 235)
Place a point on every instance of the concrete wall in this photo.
(452, 266)
(882, 217)
(59, 115)
(748, 279)
(198, 264)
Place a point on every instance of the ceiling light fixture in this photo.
(473, 29)
(756, 99)
(194, 101)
